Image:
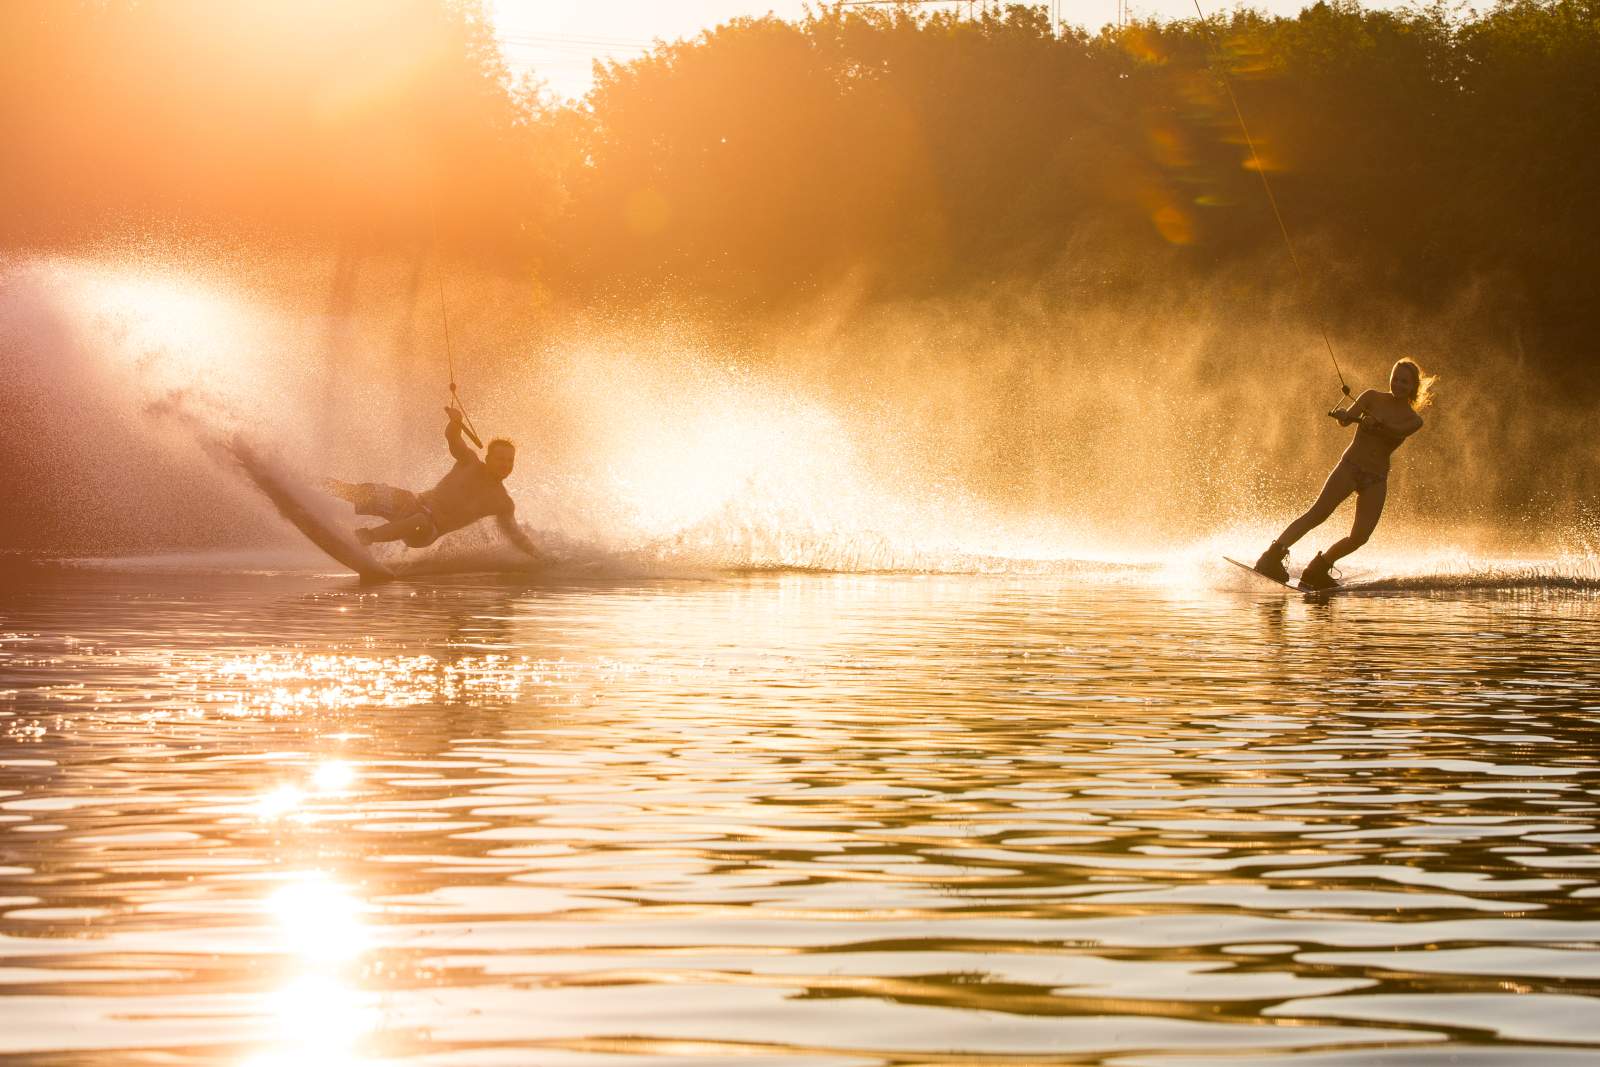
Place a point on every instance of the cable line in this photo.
(1227, 83)
(449, 353)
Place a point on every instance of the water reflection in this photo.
(319, 1014)
(318, 920)
(317, 1020)
(832, 820)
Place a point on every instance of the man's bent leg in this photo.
(415, 530)
(376, 499)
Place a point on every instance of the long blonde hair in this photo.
(1425, 383)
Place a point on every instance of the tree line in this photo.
(1415, 153)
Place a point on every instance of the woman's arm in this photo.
(1355, 411)
(1409, 424)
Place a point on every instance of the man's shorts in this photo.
(388, 502)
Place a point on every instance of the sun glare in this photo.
(278, 803)
(318, 1016)
(318, 1020)
(176, 316)
(319, 920)
(333, 776)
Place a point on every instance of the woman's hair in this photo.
(1425, 383)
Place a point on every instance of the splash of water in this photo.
(912, 441)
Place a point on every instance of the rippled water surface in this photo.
(805, 819)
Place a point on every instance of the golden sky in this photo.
(559, 39)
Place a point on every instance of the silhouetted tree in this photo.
(1416, 152)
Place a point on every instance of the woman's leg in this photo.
(1339, 485)
(1369, 508)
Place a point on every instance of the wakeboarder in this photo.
(472, 489)
(1383, 420)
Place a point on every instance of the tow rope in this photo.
(1227, 83)
(449, 353)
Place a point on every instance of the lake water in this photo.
(278, 818)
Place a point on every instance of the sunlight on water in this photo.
(318, 1015)
(319, 921)
(281, 801)
(334, 776)
(318, 1020)
(806, 819)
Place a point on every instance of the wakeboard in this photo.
(312, 513)
(1292, 587)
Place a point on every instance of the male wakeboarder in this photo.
(1383, 420)
(471, 490)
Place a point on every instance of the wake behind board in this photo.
(310, 512)
(1274, 581)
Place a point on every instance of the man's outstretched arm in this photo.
(452, 435)
(513, 531)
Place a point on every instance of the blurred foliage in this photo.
(365, 121)
(884, 152)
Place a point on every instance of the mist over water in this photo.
(1136, 435)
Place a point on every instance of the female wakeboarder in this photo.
(1383, 420)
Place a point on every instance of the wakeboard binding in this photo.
(1271, 563)
(1316, 577)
